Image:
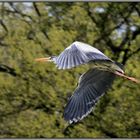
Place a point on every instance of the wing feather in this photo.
(72, 61)
(65, 62)
(75, 110)
(76, 113)
(61, 62)
(69, 61)
(92, 85)
(76, 54)
(69, 110)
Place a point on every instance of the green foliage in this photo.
(32, 102)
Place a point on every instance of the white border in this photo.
(69, 0)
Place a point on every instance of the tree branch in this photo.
(126, 39)
(136, 51)
(135, 33)
(90, 14)
(3, 25)
(7, 69)
(16, 11)
(36, 9)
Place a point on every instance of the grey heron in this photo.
(93, 83)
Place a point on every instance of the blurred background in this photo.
(33, 95)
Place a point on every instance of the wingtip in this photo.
(76, 120)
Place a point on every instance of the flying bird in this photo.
(93, 83)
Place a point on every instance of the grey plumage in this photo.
(92, 84)
(78, 53)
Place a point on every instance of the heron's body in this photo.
(93, 83)
(109, 66)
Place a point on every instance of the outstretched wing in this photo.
(78, 53)
(91, 86)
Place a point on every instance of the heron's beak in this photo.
(46, 59)
(127, 77)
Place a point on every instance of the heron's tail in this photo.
(127, 77)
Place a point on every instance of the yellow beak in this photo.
(45, 59)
